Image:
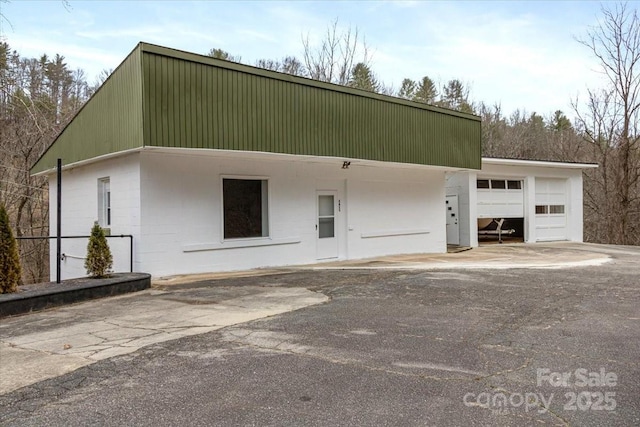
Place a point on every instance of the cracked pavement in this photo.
(405, 347)
(51, 343)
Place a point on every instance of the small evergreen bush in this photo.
(9, 259)
(99, 260)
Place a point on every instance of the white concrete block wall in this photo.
(383, 205)
(181, 211)
(463, 185)
(171, 202)
(80, 210)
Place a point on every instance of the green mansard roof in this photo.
(161, 97)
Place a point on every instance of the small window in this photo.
(514, 185)
(482, 183)
(104, 202)
(326, 216)
(498, 184)
(245, 208)
(556, 209)
(542, 209)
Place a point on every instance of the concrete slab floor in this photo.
(505, 256)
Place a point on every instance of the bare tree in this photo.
(609, 123)
(334, 58)
(288, 65)
(99, 80)
(3, 19)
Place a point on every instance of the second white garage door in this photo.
(551, 209)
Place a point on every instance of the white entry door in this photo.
(453, 222)
(327, 224)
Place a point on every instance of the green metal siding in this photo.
(192, 101)
(168, 98)
(109, 122)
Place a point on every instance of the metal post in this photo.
(59, 223)
(131, 254)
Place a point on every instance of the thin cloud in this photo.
(522, 54)
(256, 35)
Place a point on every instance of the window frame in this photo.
(518, 187)
(502, 180)
(488, 187)
(489, 180)
(268, 206)
(543, 208)
(549, 210)
(553, 208)
(105, 210)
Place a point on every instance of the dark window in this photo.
(498, 183)
(482, 183)
(108, 201)
(104, 202)
(556, 209)
(245, 208)
(514, 185)
(542, 209)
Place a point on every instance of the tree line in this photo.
(38, 96)
(342, 57)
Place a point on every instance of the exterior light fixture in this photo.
(345, 165)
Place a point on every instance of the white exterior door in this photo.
(327, 224)
(453, 222)
(551, 209)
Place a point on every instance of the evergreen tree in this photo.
(9, 259)
(456, 97)
(408, 89)
(223, 54)
(362, 78)
(426, 91)
(560, 122)
(99, 260)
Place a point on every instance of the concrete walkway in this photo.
(47, 344)
(501, 257)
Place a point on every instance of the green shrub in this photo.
(99, 260)
(9, 259)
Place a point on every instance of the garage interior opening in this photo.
(512, 230)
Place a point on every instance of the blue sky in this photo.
(519, 54)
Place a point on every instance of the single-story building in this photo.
(215, 166)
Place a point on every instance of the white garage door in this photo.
(500, 198)
(551, 209)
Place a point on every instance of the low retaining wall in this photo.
(47, 295)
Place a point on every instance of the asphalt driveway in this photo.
(398, 346)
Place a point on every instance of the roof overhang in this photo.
(254, 155)
(80, 163)
(537, 163)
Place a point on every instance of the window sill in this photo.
(390, 233)
(240, 243)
